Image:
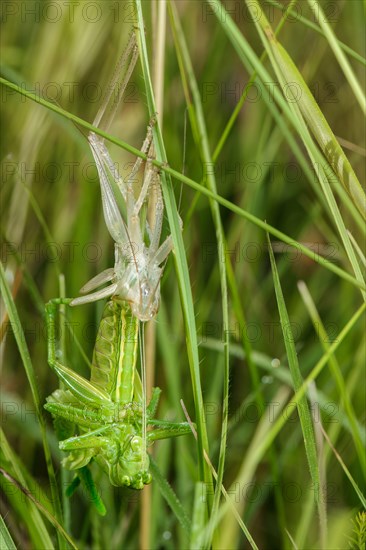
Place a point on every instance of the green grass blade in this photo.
(247, 88)
(236, 517)
(271, 176)
(199, 128)
(27, 363)
(347, 472)
(297, 380)
(336, 373)
(198, 517)
(59, 529)
(170, 497)
(342, 60)
(194, 185)
(246, 473)
(358, 250)
(179, 256)
(300, 393)
(37, 529)
(311, 25)
(305, 106)
(6, 542)
(311, 111)
(266, 434)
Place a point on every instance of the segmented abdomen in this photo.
(115, 352)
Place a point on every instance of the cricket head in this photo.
(126, 460)
(149, 297)
(135, 464)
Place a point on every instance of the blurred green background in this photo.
(52, 224)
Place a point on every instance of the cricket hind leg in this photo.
(81, 388)
(119, 82)
(137, 165)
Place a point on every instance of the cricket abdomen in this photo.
(115, 352)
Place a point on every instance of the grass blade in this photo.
(199, 129)
(6, 542)
(170, 497)
(194, 185)
(198, 517)
(37, 529)
(180, 257)
(342, 60)
(305, 107)
(311, 111)
(336, 373)
(60, 530)
(308, 23)
(297, 380)
(346, 471)
(24, 353)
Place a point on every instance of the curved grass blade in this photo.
(310, 110)
(179, 255)
(38, 532)
(336, 373)
(198, 124)
(342, 60)
(296, 115)
(304, 107)
(60, 530)
(6, 541)
(24, 353)
(346, 470)
(297, 379)
(194, 185)
(311, 25)
(276, 427)
(170, 497)
(198, 517)
(228, 500)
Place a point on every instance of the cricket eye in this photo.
(126, 481)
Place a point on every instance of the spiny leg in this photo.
(165, 248)
(84, 417)
(89, 440)
(104, 277)
(144, 149)
(165, 430)
(121, 73)
(148, 177)
(134, 206)
(158, 212)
